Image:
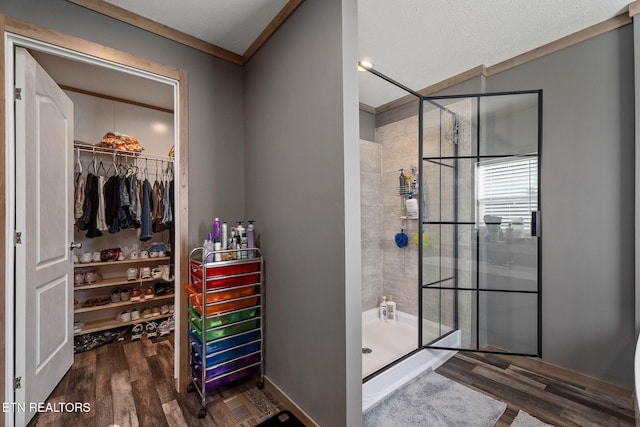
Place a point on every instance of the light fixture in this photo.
(364, 65)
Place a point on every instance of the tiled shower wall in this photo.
(371, 222)
(387, 269)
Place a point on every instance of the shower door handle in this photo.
(535, 223)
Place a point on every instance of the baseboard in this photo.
(288, 404)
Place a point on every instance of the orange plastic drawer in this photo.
(225, 282)
(220, 297)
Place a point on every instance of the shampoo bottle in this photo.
(412, 207)
(383, 308)
(402, 182)
(391, 310)
(225, 237)
(251, 239)
(242, 240)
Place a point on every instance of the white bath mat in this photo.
(525, 420)
(433, 400)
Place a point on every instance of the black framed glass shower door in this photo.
(479, 238)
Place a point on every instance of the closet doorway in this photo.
(40, 318)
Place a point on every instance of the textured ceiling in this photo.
(231, 24)
(420, 43)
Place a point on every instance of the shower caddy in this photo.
(225, 319)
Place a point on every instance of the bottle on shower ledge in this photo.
(391, 310)
(383, 308)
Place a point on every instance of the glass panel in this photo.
(449, 190)
(509, 322)
(509, 124)
(449, 127)
(507, 190)
(438, 313)
(439, 316)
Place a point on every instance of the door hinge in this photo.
(17, 92)
(17, 383)
(18, 238)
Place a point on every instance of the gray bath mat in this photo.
(435, 401)
(525, 420)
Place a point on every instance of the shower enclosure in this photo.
(478, 227)
(480, 213)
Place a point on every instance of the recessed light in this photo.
(364, 65)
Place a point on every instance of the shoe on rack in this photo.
(125, 294)
(164, 328)
(148, 293)
(145, 272)
(172, 323)
(159, 289)
(115, 295)
(155, 311)
(146, 313)
(132, 273)
(136, 295)
(135, 314)
(164, 309)
(136, 331)
(151, 329)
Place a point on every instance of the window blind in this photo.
(507, 188)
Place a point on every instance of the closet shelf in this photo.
(103, 325)
(107, 283)
(89, 148)
(121, 304)
(126, 261)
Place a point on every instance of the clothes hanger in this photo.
(78, 163)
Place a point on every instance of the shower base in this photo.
(388, 343)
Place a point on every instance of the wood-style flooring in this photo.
(131, 384)
(553, 395)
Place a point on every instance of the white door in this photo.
(44, 269)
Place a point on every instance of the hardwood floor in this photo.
(131, 384)
(553, 395)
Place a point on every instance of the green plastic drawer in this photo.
(223, 319)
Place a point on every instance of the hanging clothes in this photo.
(145, 217)
(167, 216)
(78, 195)
(83, 222)
(157, 213)
(134, 201)
(92, 194)
(101, 218)
(112, 204)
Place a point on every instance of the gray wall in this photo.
(367, 126)
(587, 202)
(301, 127)
(215, 103)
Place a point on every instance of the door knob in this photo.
(73, 246)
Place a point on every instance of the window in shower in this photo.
(479, 277)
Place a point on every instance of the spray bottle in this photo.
(241, 239)
(216, 230)
(402, 182)
(251, 240)
(207, 247)
(225, 241)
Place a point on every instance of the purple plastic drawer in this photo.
(212, 385)
(196, 365)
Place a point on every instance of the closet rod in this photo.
(83, 146)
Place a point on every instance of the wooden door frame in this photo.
(82, 48)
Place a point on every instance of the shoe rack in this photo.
(95, 308)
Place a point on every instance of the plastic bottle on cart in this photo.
(242, 240)
(216, 230)
(207, 247)
(251, 239)
(225, 236)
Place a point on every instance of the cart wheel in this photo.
(260, 385)
(202, 413)
(190, 388)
